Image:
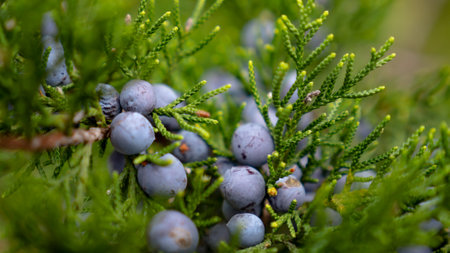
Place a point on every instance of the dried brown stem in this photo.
(53, 140)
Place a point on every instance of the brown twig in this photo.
(53, 140)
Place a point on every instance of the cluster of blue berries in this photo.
(243, 187)
(132, 134)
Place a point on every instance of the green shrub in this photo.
(57, 191)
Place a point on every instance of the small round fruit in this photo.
(309, 197)
(306, 119)
(431, 224)
(257, 33)
(216, 78)
(218, 233)
(355, 185)
(326, 217)
(162, 181)
(228, 211)
(109, 100)
(321, 34)
(131, 133)
(287, 83)
(248, 227)
(290, 189)
(48, 26)
(243, 187)
(363, 185)
(192, 148)
(320, 176)
(415, 249)
(56, 69)
(340, 183)
(223, 164)
(138, 96)
(166, 95)
(364, 129)
(251, 143)
(296, 172)
(116, 162)
(172, 231)
(251, 114)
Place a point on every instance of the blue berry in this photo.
(192, 148)
(290, 189)
(364, 129)
(431, 224)
(414, 249)
(319, 175)
(228, 211)
(116, 162)
(251, 114)
(340, 183)
(363, 185)
(355, 185)
(166, 95)
(321, 34)
(296, 172)
(217, 78)
(48, 26)
(56, 69)
(109, 100)
(131, 133)
(334, 218)
(257, 33)
(309, 197)
(287, 83)
(243, 187)
(218, 233)
(223, 164)
(138, 96)
(249, 227)
(172, 231)
(327, 216)
(251, 143)
(326, 4)
(162, 181)
(306, 119)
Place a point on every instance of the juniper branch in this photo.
(53, 140)
(158, 24)
(276, 83)
(202, 19)
(202, 43)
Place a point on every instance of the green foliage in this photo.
(65, 199)
(285, 133)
